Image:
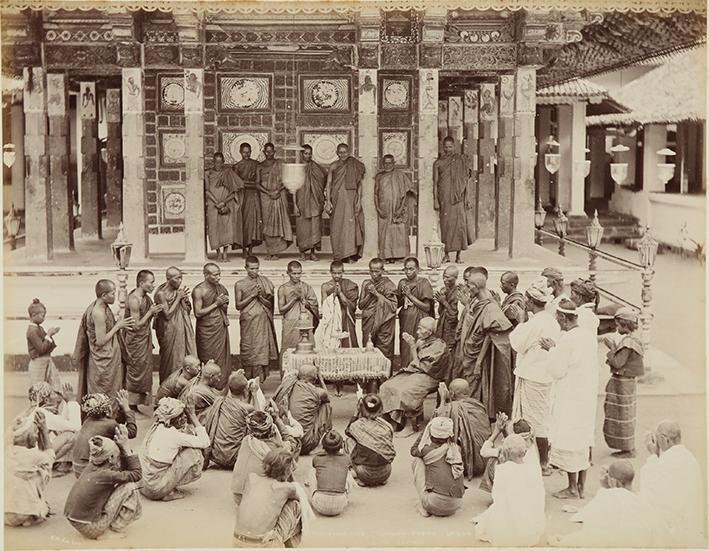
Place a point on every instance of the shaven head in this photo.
(509, 282)
(172, 271)
(458, 388)
(190, 366)
(211, 373)
(668, 434)
(104, 286)
(450, 276)
(622, 474)
(308, 372)
(477, 282)
(237, 383)
(426, 328)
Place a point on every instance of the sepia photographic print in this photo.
(341, 273)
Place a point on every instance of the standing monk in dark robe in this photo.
(415, 300)
(471, 426)
(309, 204)
(394, 197)
(254, 299)
(276, 228)
(138, 341)
(97, 353)
(344, 203)
(246, 169)
(486, 353)
(451, 198)
(514, 306)
(173, 326)
(295, 299)
(346, 292)
(378, 303)
(211, 300)
(447, 299)
(224, 191)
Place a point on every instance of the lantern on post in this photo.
(435, 251)
(561, 228)
(539, 217)
(8, 154)
(665, 171)
(552, 161)
(647, 249)
(12, 226)
(121, 249)
(594, 234)
(619, 171)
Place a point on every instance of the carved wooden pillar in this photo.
(522, 212)
(38, 212)
(62, 203)
(134, 192)
(114, 161)
(486, 168)
(427, 141)
(470, 149)
(543, 131)
(195, 245)
(367, 129)
(505, 165)
(90, 192)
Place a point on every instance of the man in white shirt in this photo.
(585, 296)
(555, 282)
(532, 395)
(671, 482)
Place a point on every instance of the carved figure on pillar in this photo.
(224, 191)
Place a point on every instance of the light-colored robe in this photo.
(258, 334)
(392, 191)
(277, 231)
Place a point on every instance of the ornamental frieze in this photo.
(430, 55)
(215, 36)
(191, 55)
(368, 56)
(400, 27)
(160, 36)
(472, 57)
(479, 31)
(78, 35)
(70, 56)
(399, 56)
(128, 55)
(162, 55)
(18, 55)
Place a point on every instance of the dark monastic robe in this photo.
(212, 332)
(379, 315)
(258, 334)
(451, 192)
(310, 200)
(276, 228)
(514, 298)
(447, 321)
(225, 228)
(251, 207)
(346, 224)
(409, 314)
(137, 347)
(174, 332)
(392, 191)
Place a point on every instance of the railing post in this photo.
(562, 246)
(592, 258)
(647, 248)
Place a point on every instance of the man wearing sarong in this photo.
(447, 299)
(309, 204)
(513, 304)
(295, 299)
(394, 200)
(309, 404)
(471, 426)
(254, 299)
(438, 469)
(415, 301)
(211, 300)
(370, 442)
(533, 383)
(28, 471)
(452, 198)
(177, 381)
(105, 497)
(138, 341)
(625, 359)
(97, 353)
(378, 302)
(344, 292)
(224, 191)
(486, 357)
(555, 280)
(403, 394)
(204, 392)
(343, 201)
(573, 364)
(276, 228)
(585, 296)
(671, 482)
(173, 326)
(247, 169)
(172, 451)
(225, 421)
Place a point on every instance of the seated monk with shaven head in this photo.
(403, 395)
(177, 381)
(204, 391)
(471, 426)
(308, 404)
(225, 421)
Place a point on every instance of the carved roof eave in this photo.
(351, 6)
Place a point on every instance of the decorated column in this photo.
(90, 192)
(38, 212)
(505, 165)
(572, 140)
(455, 121)
(367, 130)
(521, 240)
(470, 150)
(487, 160)
(62, 205)
(114, 172)
(428, 144)
(195, 245)
(134, 194)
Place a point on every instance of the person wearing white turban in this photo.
(532, 395)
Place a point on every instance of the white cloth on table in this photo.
(166, 442)
(327, 335)
(672, 484)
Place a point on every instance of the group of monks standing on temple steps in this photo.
(247, 205)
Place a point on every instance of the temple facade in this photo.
(119, 112)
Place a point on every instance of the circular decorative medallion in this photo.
(174, 204)
(174, 148)
(256, 146)
(173, 94)
(396, 94)
(244, 93)
(395, 144)
(325, 94)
